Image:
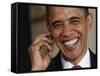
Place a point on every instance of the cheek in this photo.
(56, 33)
(83, 30)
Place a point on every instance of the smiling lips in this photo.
(71, 42)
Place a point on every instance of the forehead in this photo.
(64, 13)
(52, 10)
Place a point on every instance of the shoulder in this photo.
(93, 59)
(55, 63)
(92, 55)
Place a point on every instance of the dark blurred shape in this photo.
(23, 38)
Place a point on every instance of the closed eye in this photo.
(75, 22)
(56, 24)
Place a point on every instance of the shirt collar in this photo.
(85, 62)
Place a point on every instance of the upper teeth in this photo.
(71, 42)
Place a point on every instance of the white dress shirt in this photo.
(84, 63)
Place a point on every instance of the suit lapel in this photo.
(93, 59)
(55, 63)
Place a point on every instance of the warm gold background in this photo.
(38, 26)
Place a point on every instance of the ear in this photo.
(47, 24)
(90, 21)
(48, 27)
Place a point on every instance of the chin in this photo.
(71, 49)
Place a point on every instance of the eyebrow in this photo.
(54, 22)
(74, 17)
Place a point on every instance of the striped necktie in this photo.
(76, 67)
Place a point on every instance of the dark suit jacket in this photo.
(55, 63)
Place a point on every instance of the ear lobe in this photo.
(47, 25)
(90, 21)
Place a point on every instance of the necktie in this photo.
(76, 67)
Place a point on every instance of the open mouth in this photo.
(71, 43)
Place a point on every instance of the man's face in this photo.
(69, 28)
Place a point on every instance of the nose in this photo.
(67, 29)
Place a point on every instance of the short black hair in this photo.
(85, 10)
